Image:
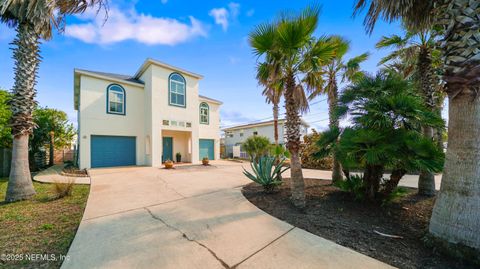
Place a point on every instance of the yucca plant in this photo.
(267, 172)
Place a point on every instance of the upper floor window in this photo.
(115, 99)
(204, 111)
(177, 90)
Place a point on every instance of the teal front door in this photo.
(206, 148)
(167, 152)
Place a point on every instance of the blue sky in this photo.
(205, 37)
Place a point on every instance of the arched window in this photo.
(116, 99)
(204, 113)
(177, 90)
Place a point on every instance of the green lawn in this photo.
(41, 226)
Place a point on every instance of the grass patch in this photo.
(44, 225)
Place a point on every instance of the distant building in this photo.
(235, 136)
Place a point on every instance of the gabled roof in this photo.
(258, 124)
(126, 78)
(150, 61)
(210, 99)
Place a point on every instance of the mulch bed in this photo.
(336, 216)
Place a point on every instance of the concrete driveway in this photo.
(192, 217)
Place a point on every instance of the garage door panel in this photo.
(108, 151)
(207, 147)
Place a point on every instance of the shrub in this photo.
(256, 146)
(267, 172)
(62, 189)
(397, 193)
(352, 184)
(309, 148)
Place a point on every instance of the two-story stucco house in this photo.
(144, 119)
(236, 135)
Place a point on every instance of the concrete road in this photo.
(193, 217)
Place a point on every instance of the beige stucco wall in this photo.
(181, 143)
(161, 110)
(94, 120)
(212, 129)
(146, 109)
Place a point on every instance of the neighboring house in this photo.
(235, 136)
(144, 119)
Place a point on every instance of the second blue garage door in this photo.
(206, 148)
(108, 151)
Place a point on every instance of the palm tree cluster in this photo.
(417, 58)
(454, 223)
(395, 114)
(33, 20)
(387, 116)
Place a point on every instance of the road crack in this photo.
(184, 235)
(167, 186)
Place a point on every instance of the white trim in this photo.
(150, 61)
(86, 73)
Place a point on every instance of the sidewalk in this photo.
(53, 174)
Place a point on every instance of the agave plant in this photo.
(267, 172)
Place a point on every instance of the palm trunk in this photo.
(52, 150)
(20, 185)
(275, 122)
(455, 218)
(293, 144)
(395, 177)
(333, 123)
(26, 55)
(426, 180)
(456, 215)
(373, 175)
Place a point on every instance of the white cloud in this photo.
(129, 25)
(250, 12)
(164, 1)
(234, 9)
(223, 16)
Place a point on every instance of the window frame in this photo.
(208, 113)
(170, 90)
(124, 104)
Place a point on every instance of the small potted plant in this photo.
(205, 161)
(168, 164)
(178, 156)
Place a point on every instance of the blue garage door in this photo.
(206, 148)
(107, 151)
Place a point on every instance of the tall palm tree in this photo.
(455, 217)
(34, 20)
(273, 90)
(344, 71)
(415, 51)
(289, 45)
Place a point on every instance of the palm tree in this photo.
(273, 91)
(337, 70)
(386, 115)
(455, 217)
(415, 51)
(298, 58)
(33, 20)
